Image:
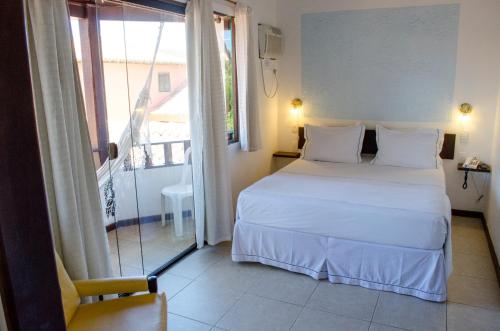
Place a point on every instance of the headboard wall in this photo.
(383, 64)
(370, 144)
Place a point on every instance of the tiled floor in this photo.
(159, 244)
(207, 291)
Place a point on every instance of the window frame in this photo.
(236, 137)
(93, 79)
(93, 74)
(236, 131)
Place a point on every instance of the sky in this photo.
(136, 41)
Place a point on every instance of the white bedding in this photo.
(375, 204)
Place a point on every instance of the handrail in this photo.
(167, 154)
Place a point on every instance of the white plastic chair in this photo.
(177, 193)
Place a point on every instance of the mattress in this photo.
(375, 204)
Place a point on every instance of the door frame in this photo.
(94, 77)
(29, 286)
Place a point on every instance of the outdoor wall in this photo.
(475, 80)
(127, 80)
(149, 184)
(246, 168)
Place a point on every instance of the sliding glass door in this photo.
(133, 67)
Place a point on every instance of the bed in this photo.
(380, 227)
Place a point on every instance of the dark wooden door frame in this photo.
(28, 279)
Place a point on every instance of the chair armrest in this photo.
(103, 286)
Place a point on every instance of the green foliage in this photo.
(228, 68)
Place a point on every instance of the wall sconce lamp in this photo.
(296, 111)
(296, 105)
(465, 110)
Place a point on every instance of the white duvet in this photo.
(377, 204)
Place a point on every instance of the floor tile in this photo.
(381, 327)
(284, 285)
(410, 313)
(474, 292)
(312, 320)
(224, 248)
(196, 263)
(172, 284)
(351, 301)
(179, 323)
(465, 318)
(466, 226)
(159, 244)
(473, 266)
(256, 313)
(236, 276)
(470, 244)
(132, 270)
(202, 303)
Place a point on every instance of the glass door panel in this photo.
(132, 64)
(157, 75)
(120, 192)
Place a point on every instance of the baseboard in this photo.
(143, 220)
(467, 213)
(480, 215)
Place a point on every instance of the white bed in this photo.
(380, 227)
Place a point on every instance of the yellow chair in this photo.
(138, 312)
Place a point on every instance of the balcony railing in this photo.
(162, 154)
(156, 155)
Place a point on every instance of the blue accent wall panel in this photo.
(392, 64)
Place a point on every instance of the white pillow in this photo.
(412, 148)
(333, 144)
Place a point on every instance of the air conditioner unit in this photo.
(269, 42)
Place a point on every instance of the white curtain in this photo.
(211, 183)
(69, 173)
(248, 111)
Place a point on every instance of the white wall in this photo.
(493, 210)
(246, 168)
(476, 82)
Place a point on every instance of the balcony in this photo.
(130, 234)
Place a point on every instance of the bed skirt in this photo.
(416, 272)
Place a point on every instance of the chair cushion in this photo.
(70, 297)
(141, 312)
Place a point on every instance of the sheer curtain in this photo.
(211, 184)
(69, 173)
(248, 112)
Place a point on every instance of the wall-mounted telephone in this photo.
(472, 162)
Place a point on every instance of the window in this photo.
(112, 80)
(225, 35)
(98, 35)
(164, 82)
